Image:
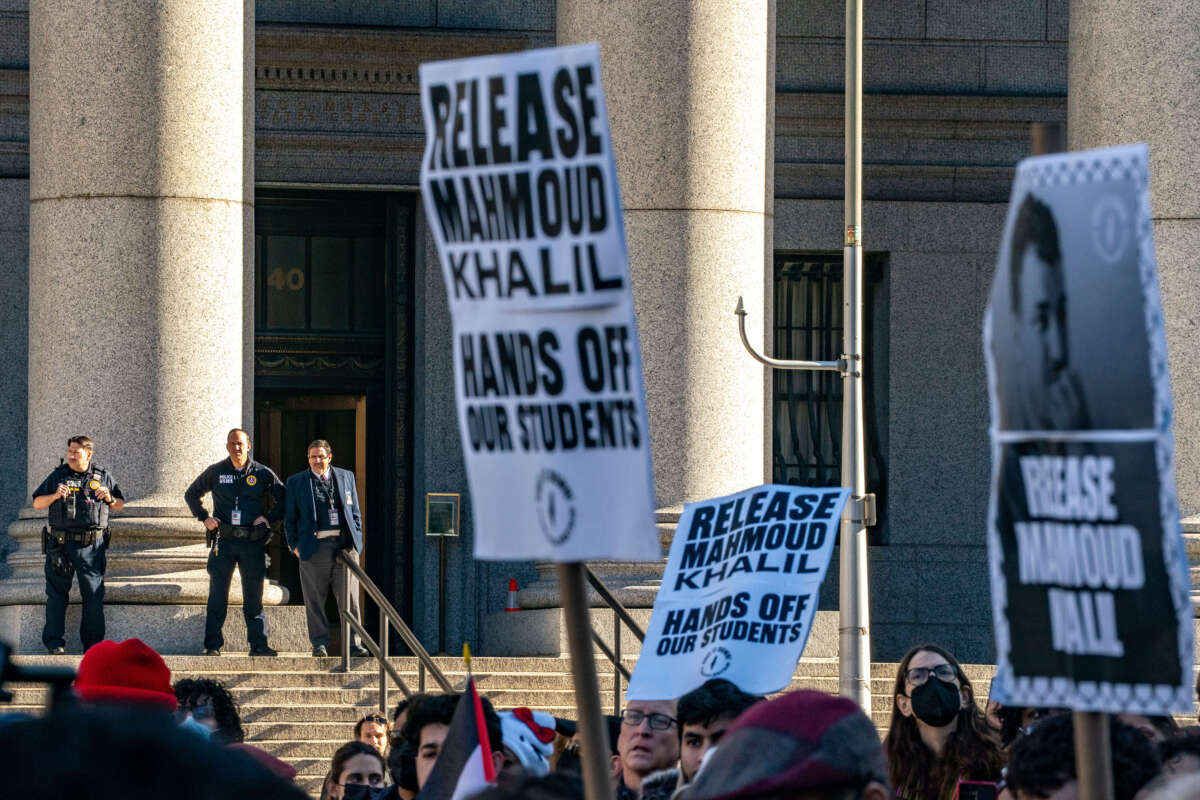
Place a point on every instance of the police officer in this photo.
(238, 531)
(79, 495)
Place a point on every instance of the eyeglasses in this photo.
(198, 713)
(918, 675)
(658, 722)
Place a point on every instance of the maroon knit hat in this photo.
(129, 673)
(799, 741)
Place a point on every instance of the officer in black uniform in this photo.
(79, 495)
(238, 531)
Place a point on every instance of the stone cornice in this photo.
(367, 60)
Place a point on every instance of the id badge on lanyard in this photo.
(334, 519)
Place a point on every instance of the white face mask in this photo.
(190, 724)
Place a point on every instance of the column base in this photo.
(155, 556)
(176, 629)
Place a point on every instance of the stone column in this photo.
(690, 86)
(1133, 68)
(140, 268)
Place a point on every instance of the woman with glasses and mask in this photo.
(938, 736)
(355, 773)
(206, 705)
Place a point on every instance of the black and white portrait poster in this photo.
(740, 591)
(1090, 589)
(520, 190)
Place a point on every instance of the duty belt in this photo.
(248, 532)
(83, 538)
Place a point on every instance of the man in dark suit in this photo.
(321, 516)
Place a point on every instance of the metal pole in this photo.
(345, 612)
(854, 650)
(596, 781)
(385, 633)
(616, 663)
(1093, 755)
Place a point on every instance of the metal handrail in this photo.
(620, 615)
(389, 618)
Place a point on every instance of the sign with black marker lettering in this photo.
(1090, 585)
(739, 592)
(520, 190)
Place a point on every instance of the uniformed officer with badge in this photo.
(238, 531)
(79, 495)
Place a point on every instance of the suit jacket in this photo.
(300, 511)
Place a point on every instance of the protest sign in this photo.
(740, 591)
(1090, 590)
(520, 190)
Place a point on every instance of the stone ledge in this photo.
(169, 629)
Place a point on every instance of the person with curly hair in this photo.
(1042, 764)
(209, 703)
(938, 736)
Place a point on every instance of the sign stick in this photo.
(1093, 755)
(596, 782)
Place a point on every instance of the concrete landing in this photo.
(169, 629)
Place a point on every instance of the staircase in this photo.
(301, 709)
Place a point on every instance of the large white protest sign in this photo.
(739, 592)
(520, 190)
(1090, 590)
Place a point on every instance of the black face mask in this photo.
(935, 702)
(357, 791)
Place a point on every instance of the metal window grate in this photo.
(808, 405)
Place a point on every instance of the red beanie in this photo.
(127, 673)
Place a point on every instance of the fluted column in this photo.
(690, 86)
(140, 267)
(1133, 69)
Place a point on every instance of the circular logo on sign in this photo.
(715, 662)
(1110, 228)
(93, 484)
(555, 506)
(251, 480)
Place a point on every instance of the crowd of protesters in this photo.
(132, 733)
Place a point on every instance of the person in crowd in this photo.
(356, 770)
(129, 673)
(374, 730)
(401, 759)
(321, 517)
(648, 744)
(1016, 719)
(1155, 728)
(705, 714)
(803, 745)
(119, 752)
(79, 496)
(1042, 763)
(1180, 753)
(938, 735)
(207, 703)
(528, 740)
(429, 717)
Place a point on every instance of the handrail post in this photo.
(421, 676)
(616, 663)
(385, 633)
(344, 600)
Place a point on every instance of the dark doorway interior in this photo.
(333, 311)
